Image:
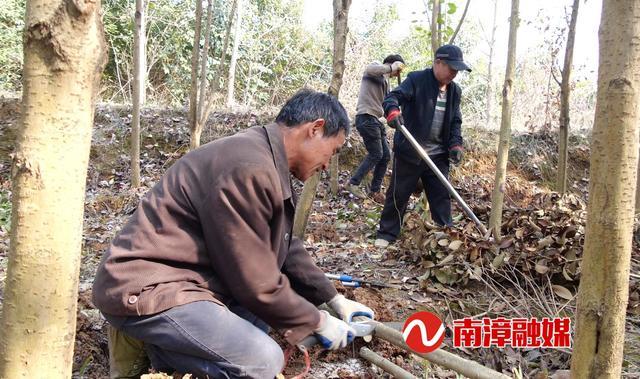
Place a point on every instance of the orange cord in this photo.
(307, 361)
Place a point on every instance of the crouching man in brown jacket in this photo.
(207, 262)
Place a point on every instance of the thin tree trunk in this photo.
(497, 197)
(121, 85)
(247, 86)
(604, 290)
(204, 62)
(565, 92)
(334, 173)
(435, 30)
(464, 14)
(340, 30)
(305, 203)
(195, 55)
(139, 70)
(492, 43)
(215, 86)
(196, 132)
(64, 55)
(234, 56)
(225, 45)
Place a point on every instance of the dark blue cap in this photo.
(452, 55)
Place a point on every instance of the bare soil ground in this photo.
(454, 272)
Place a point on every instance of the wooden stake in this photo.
(385, 364)
(440, 357)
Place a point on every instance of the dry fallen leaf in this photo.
(541, 269)
(506, 243)
(562, 292)
(455, 245)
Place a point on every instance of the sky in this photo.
(585, 57)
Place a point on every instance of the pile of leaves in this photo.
(544, 238)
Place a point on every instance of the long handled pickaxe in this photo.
(425, 157)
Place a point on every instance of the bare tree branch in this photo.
(553, 74)
(426, 12)
(464, 14)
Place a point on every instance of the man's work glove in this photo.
(348, 309)
(455, 154)
(396, 66)
(333, 333)
(394, 119)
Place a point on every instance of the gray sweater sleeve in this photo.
(377, 69)
(373, 87)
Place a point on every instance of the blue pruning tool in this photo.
(349, 281)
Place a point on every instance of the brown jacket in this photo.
(217, 226)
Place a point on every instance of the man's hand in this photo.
(396, 66)
(348, 309)
(455, 154)
(333, 333)
(394, 119)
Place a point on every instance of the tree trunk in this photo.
(234, 56)
(215, 86)
(195, 55)
(247, 85)
(334, 173)
(604, 290)
(225, 45)
(565, 91)
(204, 60)
(497, 197)
(435, 31)
(139, 70)
(340, 30)
(303, 208)
(196, 131)
(64, 55)
(492, 44)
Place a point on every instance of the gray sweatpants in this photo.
(206, 339)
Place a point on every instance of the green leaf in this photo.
(452, 8)
(449, 31)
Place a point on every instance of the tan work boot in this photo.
(127, 358)
(356, 191)
(377, 197)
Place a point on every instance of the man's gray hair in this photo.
(308, 105)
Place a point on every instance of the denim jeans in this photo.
(404, 178)
(206, 339)
(375, 141)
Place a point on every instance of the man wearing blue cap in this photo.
(430, 103)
